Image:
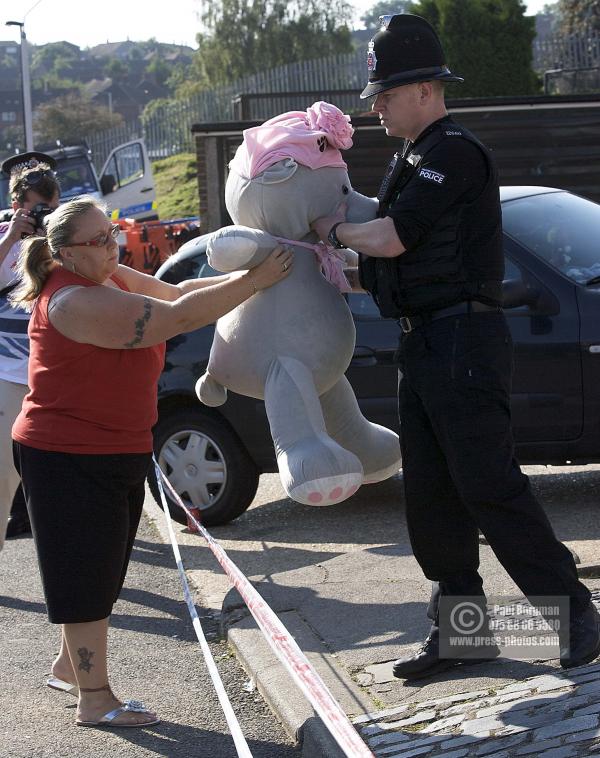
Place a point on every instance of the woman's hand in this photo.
(273, 269)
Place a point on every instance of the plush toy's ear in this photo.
(278, 172)
(238, 247)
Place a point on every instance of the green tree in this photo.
(489, 42)
(579, 15)
(246, 36)
(70, 118)
(55, 65)
(158, 70)
(116, 69)
(384, 8)
(549, 19)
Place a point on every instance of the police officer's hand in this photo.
(21, 224)
(322, 225)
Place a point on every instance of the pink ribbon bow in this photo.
(332, 262)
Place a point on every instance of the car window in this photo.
(75, 177)
(559, 227)
(204, 269)
(511, 270)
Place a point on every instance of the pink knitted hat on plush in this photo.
(313, 138)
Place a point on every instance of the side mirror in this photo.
(107, 184)
(516, 292)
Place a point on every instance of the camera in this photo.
(38, 213)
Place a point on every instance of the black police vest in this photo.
(460, 259)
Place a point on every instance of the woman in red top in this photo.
(83, 440)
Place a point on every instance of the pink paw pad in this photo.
(315, 497)
(335, 493)
(351, 491)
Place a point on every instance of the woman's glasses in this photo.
(101, 241)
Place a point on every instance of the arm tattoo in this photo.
(140, 324)
(85, 663)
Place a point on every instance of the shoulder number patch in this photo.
(431, 176)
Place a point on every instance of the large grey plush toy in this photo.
(291, 344)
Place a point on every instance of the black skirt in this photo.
(84, 511)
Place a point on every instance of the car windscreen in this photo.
(4, 193)
(561, 228)
(75, 177)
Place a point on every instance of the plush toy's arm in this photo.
(238, 247)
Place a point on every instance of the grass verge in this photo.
(176, 186)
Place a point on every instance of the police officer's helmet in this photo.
(405, 50)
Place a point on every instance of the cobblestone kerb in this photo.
(557, 715)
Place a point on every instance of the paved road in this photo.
(345, 583)
(154, 656)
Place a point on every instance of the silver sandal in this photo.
(59, 684)
(135, 706)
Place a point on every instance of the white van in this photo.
(125, 182)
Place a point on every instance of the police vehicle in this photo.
(125, 181)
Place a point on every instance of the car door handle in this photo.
(363, 356)
(147, 189)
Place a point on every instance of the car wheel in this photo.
(207, 465)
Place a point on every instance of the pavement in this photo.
(344, 582)
(153, 655)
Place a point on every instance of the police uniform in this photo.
(455, 355)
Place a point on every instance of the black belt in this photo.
(408, 323)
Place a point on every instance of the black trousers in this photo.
(18, 507)
(84, 512)
(460, 473)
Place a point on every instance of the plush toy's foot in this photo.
(384, 473)
(327, 491)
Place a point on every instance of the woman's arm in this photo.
(143, 284)
(111, 318)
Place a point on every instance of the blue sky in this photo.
(90, 22)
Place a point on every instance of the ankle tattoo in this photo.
(85, 659)
(95, 689)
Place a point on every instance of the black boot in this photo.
(584, 639)
(427, 662)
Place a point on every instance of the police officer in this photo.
(433, 260)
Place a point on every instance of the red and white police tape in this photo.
(234, 727)
(278, 637)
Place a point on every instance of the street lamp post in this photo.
(26, 85)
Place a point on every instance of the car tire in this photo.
(192, 448)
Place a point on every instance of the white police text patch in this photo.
(432, 176)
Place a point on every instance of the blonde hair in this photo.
(41, 255)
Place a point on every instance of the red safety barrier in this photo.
(145, 246)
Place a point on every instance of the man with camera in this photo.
(34, 193)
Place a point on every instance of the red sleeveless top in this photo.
(83, 398)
